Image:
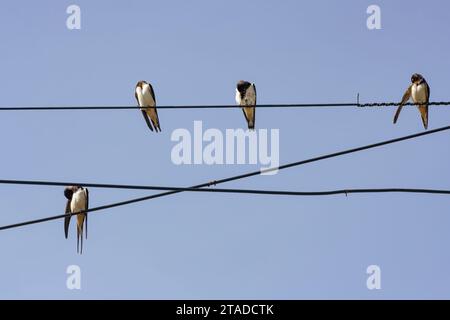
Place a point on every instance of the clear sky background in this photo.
(200, 246)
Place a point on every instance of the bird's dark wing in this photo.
(156, 122)
(405, 98)
(254, 109)
(67, 219)
(152, 93)
(423, 108)
(147, 120)
(87, 208)
(246, 118)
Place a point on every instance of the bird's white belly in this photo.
(147, 97)
(78, 201)
(140, 97)
(238, 97)
(419, 93)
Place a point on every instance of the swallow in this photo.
(246, 98)
(419, 91)
(146, 99)
(77, 201)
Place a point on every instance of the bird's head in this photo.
(140, 84)
(416, 78)
(242, 85)
(68, 192)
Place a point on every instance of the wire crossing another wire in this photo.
(222, 190)
(234, 178)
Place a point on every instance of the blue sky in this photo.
(211, 246)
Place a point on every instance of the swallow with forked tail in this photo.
(77, 202)
(246, 98)
(419, 91)
(146, 99)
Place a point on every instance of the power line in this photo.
(222, 190)
(237, 177)
(294, 105)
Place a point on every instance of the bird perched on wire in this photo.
(77, 201)
(419, 91)
(246, 98)
(146, 99)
